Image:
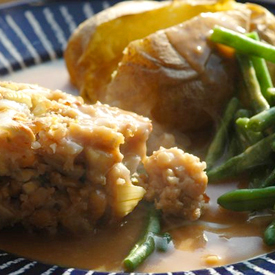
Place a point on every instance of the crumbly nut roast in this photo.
(176, 182)
(67, 164)
(64, 162)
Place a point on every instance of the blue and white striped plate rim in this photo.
(38, 31)
(33, 32)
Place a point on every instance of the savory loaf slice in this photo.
(65, 163)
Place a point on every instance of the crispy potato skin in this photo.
(176, 75)
(96, 47)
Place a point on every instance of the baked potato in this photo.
(174, 75)
(96, 47)
(177, 77)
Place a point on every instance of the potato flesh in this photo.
(100, 56)
(79, 41)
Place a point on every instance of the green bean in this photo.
(258, 102)
(146, 245)
(262, 120)
(233, 149)
(248, 199)
(242, 137)
(246, 135)
(271, 91)
(217, 145)
(242, 43)
(269, 180)
(269, 234)
(257, 177)
(243, 113)
(261, 176)
(241, 133)
(254, 155)
(262, 73)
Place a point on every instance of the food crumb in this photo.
(212, 260)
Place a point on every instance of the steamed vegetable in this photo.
(246, 136)
(243, 44)
(218, 144)
(248, 199)
(257, 100)
(150, 239)
(262, 120)
(262, 73)
(257, 154)
(269, 234)
(253, 156)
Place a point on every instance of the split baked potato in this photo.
(96, 47)
(158, 62)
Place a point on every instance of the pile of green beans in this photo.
(245, 140)
(249, 125)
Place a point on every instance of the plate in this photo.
(36, 32)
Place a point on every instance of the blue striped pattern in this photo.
(32, 33)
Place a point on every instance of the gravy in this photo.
(219, 237)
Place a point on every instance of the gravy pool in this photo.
(219, 237)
